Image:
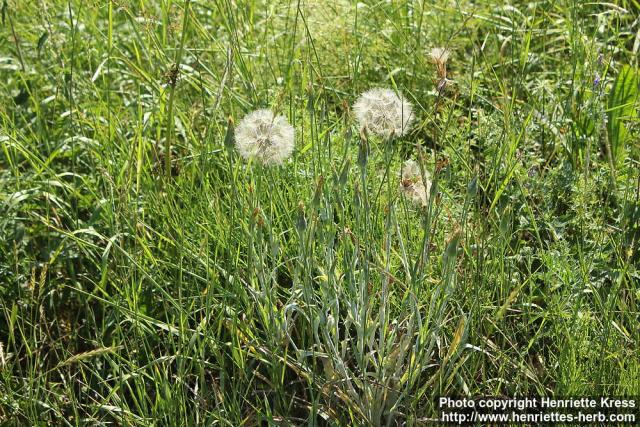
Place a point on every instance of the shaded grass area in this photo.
(208, 290)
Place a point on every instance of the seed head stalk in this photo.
(172, 92)
(387, 268)
(365, 210)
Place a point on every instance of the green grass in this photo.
(150, 276)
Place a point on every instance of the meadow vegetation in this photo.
(151, 275)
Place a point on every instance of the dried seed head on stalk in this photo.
(264, 136)
(414, 185)
(440, 56)
(383, 112)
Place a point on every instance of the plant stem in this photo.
(172, 92)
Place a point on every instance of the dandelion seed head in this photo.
(414, 186)
(383, 112)
(264, 136)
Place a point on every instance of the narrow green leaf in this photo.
(621, 106)
(42, 40)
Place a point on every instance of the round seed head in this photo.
(265, 137)
(384, 112)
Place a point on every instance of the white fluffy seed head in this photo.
(384, 112)
(414, 186)
(411, 171)
(265, 137)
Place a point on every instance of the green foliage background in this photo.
(218, 292)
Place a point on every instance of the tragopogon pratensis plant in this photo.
(440, 56)
(265, 137)
(384, 112)
(413, 186)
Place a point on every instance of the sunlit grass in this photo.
(151, 275)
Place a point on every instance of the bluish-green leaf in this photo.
(622, 100)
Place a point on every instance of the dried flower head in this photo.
(414, 185)
(264, 136)
(384, 112)
(440, 56)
